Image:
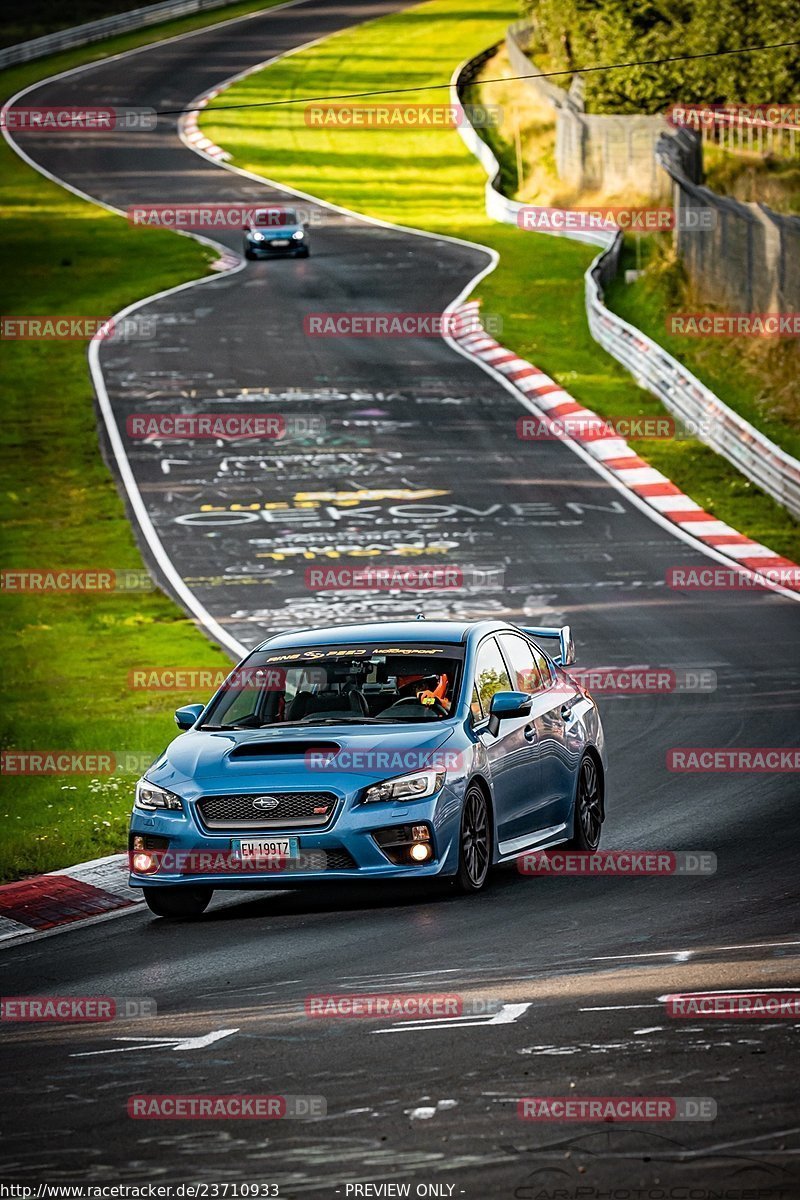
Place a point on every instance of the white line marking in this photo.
(698, 950)
(734, 991)
(150, 1043)
(616, 1007)
(507, 1015)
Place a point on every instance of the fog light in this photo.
(420, 833)
(420, 851)
(143, 863)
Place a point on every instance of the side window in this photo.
(544, 667)
(490, 673)
(524, 669)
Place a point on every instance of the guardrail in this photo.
(106, 27)
(653, 368)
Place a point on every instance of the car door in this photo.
(510, 752)
(559, 740)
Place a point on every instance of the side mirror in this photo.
(506, 705)
(187, 716)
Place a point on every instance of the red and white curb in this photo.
(198, 141)
(195, 137)
(76, 894)
(614, 453)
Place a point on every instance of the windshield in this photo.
(318, 685)
(270, 217)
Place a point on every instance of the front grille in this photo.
(237, 811)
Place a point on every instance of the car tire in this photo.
(181, 903)
(304, 253)
(588, 817)
(249, 254)
(474, 841)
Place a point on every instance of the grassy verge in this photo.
(769, 180)
(756, 377)
(67, 657)
(429, 180)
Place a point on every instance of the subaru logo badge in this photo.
(265, 802)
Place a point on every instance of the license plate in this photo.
(279, 242)
(250, 849)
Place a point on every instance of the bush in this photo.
(583, 33)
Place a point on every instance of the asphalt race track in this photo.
(418, 453)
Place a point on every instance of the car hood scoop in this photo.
(283, 749)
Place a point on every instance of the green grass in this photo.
(429, 180)
(66, 658)
(757, 378)
(769, 179)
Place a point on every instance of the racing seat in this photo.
(328, 704)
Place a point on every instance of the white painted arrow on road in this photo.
(507, 1015)
(162, 1043)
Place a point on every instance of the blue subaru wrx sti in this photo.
(393, 750)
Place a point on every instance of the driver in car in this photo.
(431, 689)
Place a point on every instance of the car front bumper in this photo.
(288, 247)
(350, 849)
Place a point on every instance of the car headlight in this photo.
(415, 786)
(149, 797)
(256, 236)
(299, 235)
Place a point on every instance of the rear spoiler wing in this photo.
(566, 646)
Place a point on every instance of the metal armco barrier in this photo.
(106, 27)
(682, 394)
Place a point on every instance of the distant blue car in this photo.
(385, 751)
(276, 233)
